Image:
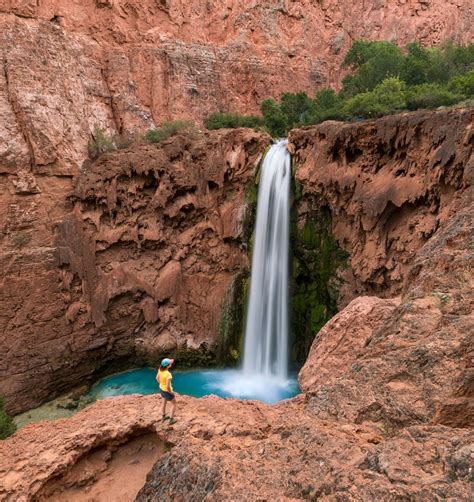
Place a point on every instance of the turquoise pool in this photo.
(223, 383)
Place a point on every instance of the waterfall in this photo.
(266, 333)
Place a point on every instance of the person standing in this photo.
(164, 378)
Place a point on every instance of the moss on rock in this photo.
(7, 425)
(316, 259)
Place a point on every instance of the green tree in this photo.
(295, 107)
(415, 65)
(463, 84)
(274, 119)
(430, 96)
(372, 63)
(326, 105)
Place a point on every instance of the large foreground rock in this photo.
(228, 450)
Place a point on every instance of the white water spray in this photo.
(266, 333)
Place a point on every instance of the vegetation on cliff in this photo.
(314, 282)
(101, 142)
(7, 425)
(168, 129)
(234, 304)
(383, 79)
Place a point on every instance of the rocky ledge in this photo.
(227, 449)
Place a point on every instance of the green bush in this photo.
(372, 63)
(296, 108)
(168, 129)
(430, 96)
(99, 143)
(7, 425)
(463, 84)
(388, 97)
(275, 120)
(325, 106)
(232, 121)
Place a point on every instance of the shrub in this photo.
(430, 96)
(168, 129)
(99, 143)
(388, 97)
(220, 120)
(326, 106)
(463, 84)
(7, 425)
(295, 107)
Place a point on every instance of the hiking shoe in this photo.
(165, 417)
(172, 421)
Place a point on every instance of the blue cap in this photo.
(166, 362)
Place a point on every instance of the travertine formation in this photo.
(389, 185)
(132, 260)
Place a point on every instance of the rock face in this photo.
(125, 66)
(386, 410)
(406, 219)
(388, 184)
(228, 449)
(132, 260)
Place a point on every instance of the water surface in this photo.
(199, 383)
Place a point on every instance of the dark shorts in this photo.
(169, 396)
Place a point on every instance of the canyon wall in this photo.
(388, 184)
(126, 66)
(400, 195)
(386, 408)
(130, 260)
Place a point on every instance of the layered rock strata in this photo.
(125, 66)
(132, 259)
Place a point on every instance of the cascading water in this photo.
(265, 367)
(266, 333)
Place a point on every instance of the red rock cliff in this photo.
(123, 66)
(133, 260)
(389, 185)
(386, 409)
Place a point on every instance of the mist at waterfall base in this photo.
(264, 374)
(197, 383)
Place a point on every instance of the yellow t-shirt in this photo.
(163, 377)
